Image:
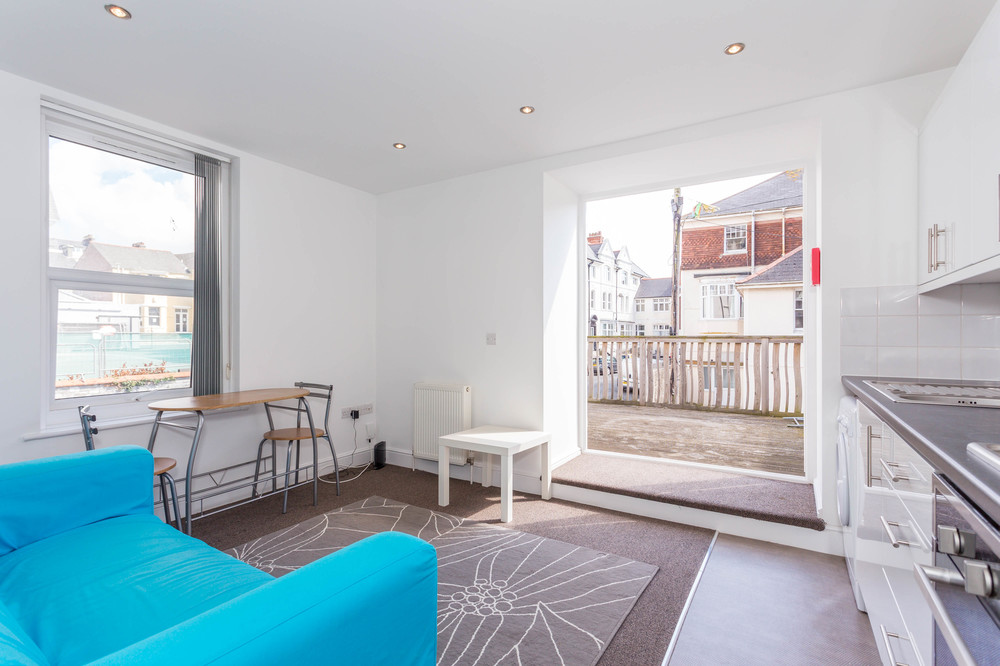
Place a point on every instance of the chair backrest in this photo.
(86, 421)
(323, 392)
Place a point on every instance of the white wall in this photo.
(305, 279)
(769, 310)
(859, 153)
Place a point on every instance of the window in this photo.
(606, 300)
(180, 320)
(607, 273)
(621, 303)
(720, 300)
(635, 281)
(661, 304)
(593, 271)
(624, 277)
(628, 329)
(122, 259)
(736, 239)
(640, 329)
(661, 329)
(797, 309)
(640, 305)
(607, 328)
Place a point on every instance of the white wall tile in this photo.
(939, 331)
(981, 331)
(939, 362)
(859, 302)
(897, 362)
(944, 301)
(858, 361)
(981, 299)
(981, 364)
(897, 300)
(859, 331)
(897, 331)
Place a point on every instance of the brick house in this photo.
(730, 241)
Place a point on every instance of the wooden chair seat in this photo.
(163, 465)
(292, 434)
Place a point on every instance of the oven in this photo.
(963, 587)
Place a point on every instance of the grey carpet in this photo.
(642, 640)
(504, 596)
(736, 494)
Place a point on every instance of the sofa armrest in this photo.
(374, 602)
(39, 498)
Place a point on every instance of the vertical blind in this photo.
(206, 343)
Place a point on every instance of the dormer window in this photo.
(735, 239)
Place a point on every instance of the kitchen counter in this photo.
(940, 434)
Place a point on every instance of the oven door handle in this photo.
(959, 650)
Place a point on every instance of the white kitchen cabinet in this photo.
(959, 171)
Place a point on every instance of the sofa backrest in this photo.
(15, 646)
(39, 498)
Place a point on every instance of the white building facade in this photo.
(612, 282)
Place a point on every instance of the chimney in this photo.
(595, 238)
(138, 244)
(88, 239)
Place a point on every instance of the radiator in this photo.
(440, 409)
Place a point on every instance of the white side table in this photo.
(501, 441)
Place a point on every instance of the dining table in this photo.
(198, 406)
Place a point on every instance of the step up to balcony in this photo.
(742, 495)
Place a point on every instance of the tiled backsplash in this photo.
(952, 333)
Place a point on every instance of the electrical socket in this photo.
(366, 408)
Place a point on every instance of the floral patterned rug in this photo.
(504, 597)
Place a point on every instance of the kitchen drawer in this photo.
(904, 469)
(895, 644)
(913, 610)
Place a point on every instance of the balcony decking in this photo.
(761, 443)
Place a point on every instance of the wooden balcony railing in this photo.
(747, 374)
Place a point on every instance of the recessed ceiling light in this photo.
(735, 48)
(527, 110)
(118, 12)
(399, 146)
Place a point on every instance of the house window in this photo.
(661, 329)
(607, 273)
(635, 281)
(640, 329)
(797, 309)
(628, 329)
(736, 239)
(125, 228)
(720, 300)
(640, 305)
(606, 301)
(661, 304)
(624, 277)
(593, 272)
(607, 328)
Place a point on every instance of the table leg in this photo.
(312, 429)
(506, 487)
(444, 454)
(156, 427)
(546, 472)
(190, 469)
(488, 470)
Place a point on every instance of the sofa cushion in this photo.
(15, 646)
(92, 590)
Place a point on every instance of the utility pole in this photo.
(676, 205)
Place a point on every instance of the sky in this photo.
(119, 200)
(642, 222)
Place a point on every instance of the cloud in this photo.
(119, 200)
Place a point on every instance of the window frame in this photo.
(727, 236)
(107, 135)
(798, 311)
(186, 314)
(737, 305)
(640, 304)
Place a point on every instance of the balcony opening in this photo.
(695, 324)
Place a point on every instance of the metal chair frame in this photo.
(321, 391)
(89, 430)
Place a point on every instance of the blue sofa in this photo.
(88, 575)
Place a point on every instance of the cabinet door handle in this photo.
(893, 476)
(887, 525)
(868, 469)
(930, 250)
(888, 645)
(936, 233)
(959, 650)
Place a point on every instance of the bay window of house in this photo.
(607, 328)
(720, 300)
(138, 234)
(735, 239)
(797, 311)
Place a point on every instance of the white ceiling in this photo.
(327, 85)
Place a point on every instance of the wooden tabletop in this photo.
(205, 403)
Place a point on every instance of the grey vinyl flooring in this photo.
(761, 603)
